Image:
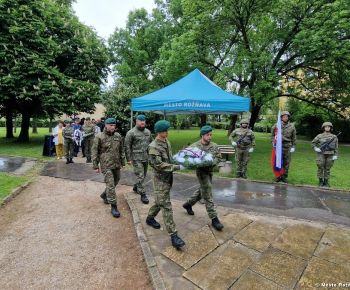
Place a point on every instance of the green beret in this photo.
(67, 121)
(161, 126)
(206, 129)
(141, 117)
(111, 121)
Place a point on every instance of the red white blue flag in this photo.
(276, 160)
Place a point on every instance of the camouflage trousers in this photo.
(112, 177)
(162, 202)
(242, 158)
(324, 164)
(68, 148)
(140, 170)
(286, 157)
(88, 145)
(205, 192)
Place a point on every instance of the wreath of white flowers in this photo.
(193, 157)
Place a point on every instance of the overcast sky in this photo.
(106, 15)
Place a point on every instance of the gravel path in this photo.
(58, 234)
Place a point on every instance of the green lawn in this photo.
(8, 183)
(302, 169)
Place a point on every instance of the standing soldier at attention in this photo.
(160, 159)
(108, 152)
(89, 134)
(326, 146)
(243, 140)
(68, 132)
(289, 137)
(205, 176)
(136, 143)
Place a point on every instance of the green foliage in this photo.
(50, 63)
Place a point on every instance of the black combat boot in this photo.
(217, 224)
(238, 174)
(320, 182)
(135, 188)
(71, 160)
(243, 175)
(326, 183)
(284, 179)
(88, 160)
(104, 197)
(68, 161)
(152, 222)
(144, 198)
(188, 208)
(176, 241)
(114, 210)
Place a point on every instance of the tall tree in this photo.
(50, 63)
(253, 46)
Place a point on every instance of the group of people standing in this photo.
(70, 135)
(140, 150)
(324, 144)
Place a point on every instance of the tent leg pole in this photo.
(131, 119)
(164, 116)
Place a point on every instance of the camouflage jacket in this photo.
(211, 148)
(289, 135)
(161, 160)
(68, 133)
(136, 144)
(108, 151)
(327, 142)
(244, 138)
(89, 131)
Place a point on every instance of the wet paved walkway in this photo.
(310, 203)
(16, 165)
(275, 236)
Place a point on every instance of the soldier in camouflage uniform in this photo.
(326, 146)
(288, 143)
(68, 141)
(108, 152)
(136, 143)
(160, 159)
(204, 176)
(89, 134)
(243, 139)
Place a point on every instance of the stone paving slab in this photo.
(299, 240)
(198, 245)
(221, 268)
(253, 281)
(233, 224)
(258, 235)
(324, 275)
(335, 246)
(280, 267)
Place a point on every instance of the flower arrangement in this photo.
(193, 157)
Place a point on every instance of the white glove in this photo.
(335, 157)
(251, 150)
(317, 149)
(182, 167)
(292, 150)
(234, 143)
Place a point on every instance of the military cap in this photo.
(110, 121)
(141, 117)
(87, 119)
(244, 121)
(285, 113)
(67, 121)
(161, 126)
(205, 129)
(327, 124)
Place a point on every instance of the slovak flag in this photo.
(276, 158)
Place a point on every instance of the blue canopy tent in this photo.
(192, 94)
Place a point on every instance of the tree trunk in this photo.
(50, 125)
(24, 134)
(203, 119)
(233, 120)
(254, 116)
(34, 126)
(9, 123)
